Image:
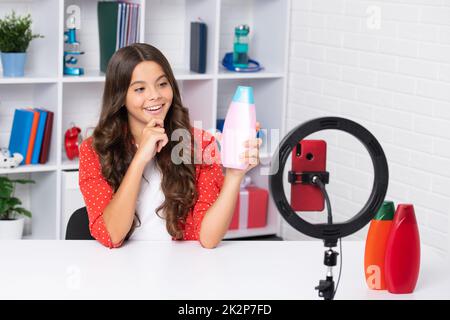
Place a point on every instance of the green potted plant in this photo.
(11, 215)
(15, 36)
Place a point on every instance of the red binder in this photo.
(43, 157)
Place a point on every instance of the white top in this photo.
(150, 197)
(83, 269)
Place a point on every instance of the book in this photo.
(127, 24)
(43, 157)
(119, 19)
(39, 136)
(131, 27)
(118, 26)
(20, 132)
(122, 25)
(138, 22)
(197, 59)
(133, 24)
(33, 132)
(107, 30)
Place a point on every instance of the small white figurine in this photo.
(8, 162)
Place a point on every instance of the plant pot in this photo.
(13, 64)
(11, 229)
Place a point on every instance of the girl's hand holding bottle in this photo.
(249, 157)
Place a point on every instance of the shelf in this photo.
(185, 74)
(28, 79)
(69, 165)
(30, 168)
(89, 76)
(180, 74)
(225, 74)
(98, 76)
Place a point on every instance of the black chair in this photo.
(78, 226)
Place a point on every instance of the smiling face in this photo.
(148, 96)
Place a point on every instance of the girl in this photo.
(132, 187)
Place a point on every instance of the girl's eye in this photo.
(139, 89)
(163, 84)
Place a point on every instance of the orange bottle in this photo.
(376, 242)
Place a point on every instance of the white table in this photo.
(41, 269)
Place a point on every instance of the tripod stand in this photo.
(326, 287)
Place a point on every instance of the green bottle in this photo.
(240, 47)
(376, 242)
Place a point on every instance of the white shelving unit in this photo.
(166, 25)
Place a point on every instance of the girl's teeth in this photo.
(153, 109)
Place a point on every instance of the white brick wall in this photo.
(386, 65)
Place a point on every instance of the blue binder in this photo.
(20, 132)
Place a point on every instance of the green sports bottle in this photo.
(240, 47)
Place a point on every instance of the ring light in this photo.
(381, 176)
(329, 232)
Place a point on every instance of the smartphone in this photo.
(308, 155)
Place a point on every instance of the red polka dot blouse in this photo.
(97, 193)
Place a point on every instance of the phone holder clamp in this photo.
(308, 177)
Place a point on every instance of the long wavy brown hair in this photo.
(113, 141)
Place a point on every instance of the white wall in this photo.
(386, 65)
